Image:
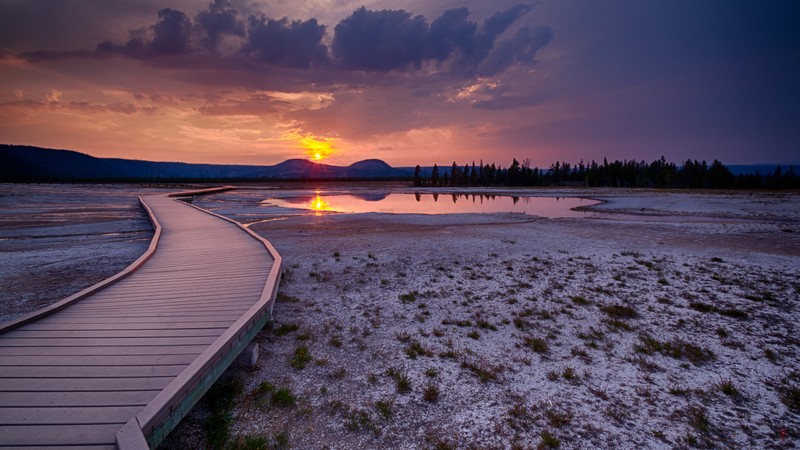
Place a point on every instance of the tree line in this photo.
(660, 174)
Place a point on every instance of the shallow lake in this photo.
(320, 202)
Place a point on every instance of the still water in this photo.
(320, 202)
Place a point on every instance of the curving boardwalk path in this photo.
(119, 365)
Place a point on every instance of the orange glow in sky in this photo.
(317, 149)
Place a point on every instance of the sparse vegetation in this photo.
(619, 311)
(286, 328)
(431, 392)
(283, 397)
(538, 345)
(676, 348)
(623, 339)
(220, 400)
(302, 356)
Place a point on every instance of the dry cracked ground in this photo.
(507, 331)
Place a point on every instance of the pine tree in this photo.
(417, 181)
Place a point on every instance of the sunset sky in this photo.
(258, 82)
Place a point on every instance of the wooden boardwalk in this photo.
(119, 364)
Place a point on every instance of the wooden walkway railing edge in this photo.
(164, 412)
(58, 306)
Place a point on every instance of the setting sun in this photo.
(317, 149)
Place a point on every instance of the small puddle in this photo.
(551, 207)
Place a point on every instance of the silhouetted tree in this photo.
(416, 180)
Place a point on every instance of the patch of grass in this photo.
(702, 307)
(250, 443)
(220, 400)
(415, 348)
(580, 300)
(482, 324)
(728, 388)
(676, 348)
(401, 379)
(265, 387)
(385, 408)
(716, 259)
(474, 335)
(616, 325)
(283, 298)
(408, 297)
(789, 390)
(569, 374)
(403, 383)
(302, 356)
(620, 311)
(335, 341)
(557, 419)
(286, 328)
(339, 373)
(553, 375)
(548, 440)
(482, 369)
(521, 324)
(283, 397)
(733, 313)
(431, 392)
(698, 418)
(432, 372)
(360, 420)
(538, 345)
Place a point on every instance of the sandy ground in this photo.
(670, 323)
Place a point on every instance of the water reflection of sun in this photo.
(319, 204)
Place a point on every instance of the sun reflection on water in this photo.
(320, 202)
(319, 205)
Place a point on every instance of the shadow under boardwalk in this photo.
(142, 350)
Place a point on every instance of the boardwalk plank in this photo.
(66, 415)
(83, 384)
(96, 351)
(56, 435)
(77, 399)
(90, 371)
(112, 333)
(96, 360)
(105, 342)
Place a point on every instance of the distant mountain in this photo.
(26, 163)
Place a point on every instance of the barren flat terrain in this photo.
(657, 320)
(669, 322)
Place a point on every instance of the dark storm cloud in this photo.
(293, 44)
(522, 48)
(367, 40)
(387, 40)
(219, 20)
(380, 40)
(173, 33)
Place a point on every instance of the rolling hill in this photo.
(26, 163)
